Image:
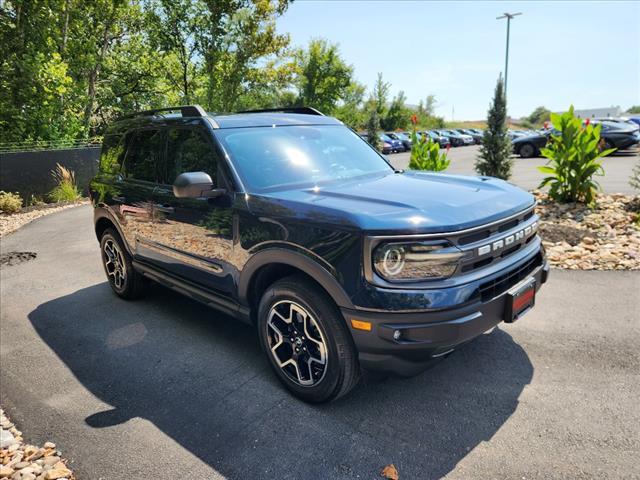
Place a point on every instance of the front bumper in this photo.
(426, 335)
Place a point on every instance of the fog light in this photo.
(397, 334)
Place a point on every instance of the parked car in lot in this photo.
(619, 135)
(513, 134)
(289, 221)
(457, 139)
(622, 121)
(477, 137)
(444, 142)
(614, 135)
(402, 137)
(385, 146)
(396, 146)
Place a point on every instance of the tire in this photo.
(124, 280)
(527, 150)
(294, 314)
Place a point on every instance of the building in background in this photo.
(605, 112)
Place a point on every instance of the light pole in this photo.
(508, 16)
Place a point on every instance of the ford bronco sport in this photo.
(289, 221)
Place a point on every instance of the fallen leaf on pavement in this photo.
(390, 472)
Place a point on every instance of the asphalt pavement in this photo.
(166, 388)
(617, 167)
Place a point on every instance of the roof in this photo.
(186, 114)
(240, 120)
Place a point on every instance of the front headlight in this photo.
(414, 261)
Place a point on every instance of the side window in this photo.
(189, 150)
(144, 155)
(112, 154)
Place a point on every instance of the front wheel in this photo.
(306, 341)
(123, 279)
(527, 150)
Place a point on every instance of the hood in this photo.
(410, 202)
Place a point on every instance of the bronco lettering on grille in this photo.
(501, 243)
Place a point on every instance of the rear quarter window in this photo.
(112, 154)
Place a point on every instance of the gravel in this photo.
(605, 237)
(21, 461)
(11, 222)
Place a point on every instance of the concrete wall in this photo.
(29, 173)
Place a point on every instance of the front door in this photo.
(194, 236)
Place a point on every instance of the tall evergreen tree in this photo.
(495, 152)
(373, 124)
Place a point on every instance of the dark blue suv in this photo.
(289, 221)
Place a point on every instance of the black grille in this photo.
(502, 227)
(504, 282)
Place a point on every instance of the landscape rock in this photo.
(19, 461)
(602, 237)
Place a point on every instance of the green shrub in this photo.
(35, 201)
(425, 153)
(10, 202)
(574, 158)
(65, 189)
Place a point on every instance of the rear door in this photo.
(140, 173)
(194, 239)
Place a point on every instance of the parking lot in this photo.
(617, 168)
(166, 388)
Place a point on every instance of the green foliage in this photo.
(539, 116)
(70, 67)
(495, 151)
(10, 202)
(373, 124)
(426, 155)
(380, 96)
(634, 109)
(634, 181)
(349, 110)
(574, 158)
(398, 114)
(323, 76)
(65, 189)
(35, 201)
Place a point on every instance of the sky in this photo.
(585, 53)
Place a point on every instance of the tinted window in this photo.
(189, 150)
(112, 154)
(273, 157)
(144, 155)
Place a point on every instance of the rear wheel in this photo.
(527, 150)
(307, 341)
(124, 280)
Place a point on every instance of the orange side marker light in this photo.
(361, 325)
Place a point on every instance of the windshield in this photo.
(268, 157)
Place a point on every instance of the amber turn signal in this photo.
(361, 325)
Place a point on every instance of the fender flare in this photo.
(296, 260)
(101, 212)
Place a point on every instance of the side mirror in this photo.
(195, 185)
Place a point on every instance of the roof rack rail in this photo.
(185, 111)
(304, 110)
